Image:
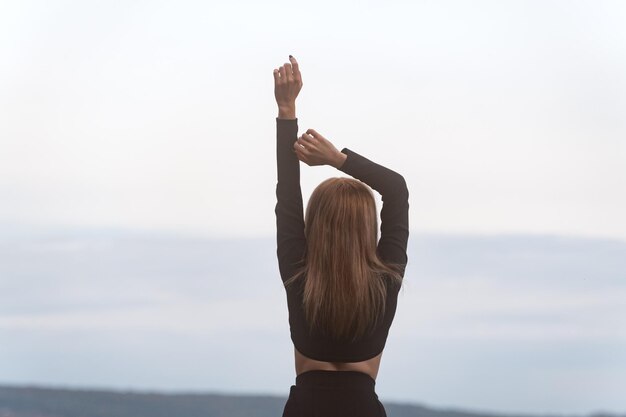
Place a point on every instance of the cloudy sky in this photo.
(509, 323)
(157, 119)
(503, 116)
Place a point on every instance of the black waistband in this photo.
(343, 379)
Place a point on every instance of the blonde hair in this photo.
(344, 289)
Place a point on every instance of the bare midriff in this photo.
(369, 367)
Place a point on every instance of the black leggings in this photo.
(333, 394)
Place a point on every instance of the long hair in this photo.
(344, 279)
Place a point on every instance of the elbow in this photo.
(402, 187)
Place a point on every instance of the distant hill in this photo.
(33, 401)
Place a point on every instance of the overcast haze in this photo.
(508, 323)
(502, 116)
(127, 128)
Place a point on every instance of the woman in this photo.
(342, 285)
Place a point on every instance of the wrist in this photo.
(287, 112)
(339, 159)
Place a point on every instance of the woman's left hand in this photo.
(287, 84)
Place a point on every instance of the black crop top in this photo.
(291, 243)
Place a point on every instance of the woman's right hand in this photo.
(314, 149)
(287, 85)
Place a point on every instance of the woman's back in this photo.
(369, 366)
(314, 349)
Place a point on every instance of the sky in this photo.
(502, 116)
(503, 323)
(123, 121)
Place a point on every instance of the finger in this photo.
(288, 71)
(299, 151)
(314, 133)
(304, 146)
(302, 156)
(282, 74)
(297, 146)
(296, 69)
(276, 75)
(309, 139)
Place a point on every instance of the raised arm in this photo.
(394, 215)
(290, 237)
(289, 211)
(315, 149)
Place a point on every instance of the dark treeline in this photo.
(55, 402)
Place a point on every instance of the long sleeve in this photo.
(394, 214)
(290, 238)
